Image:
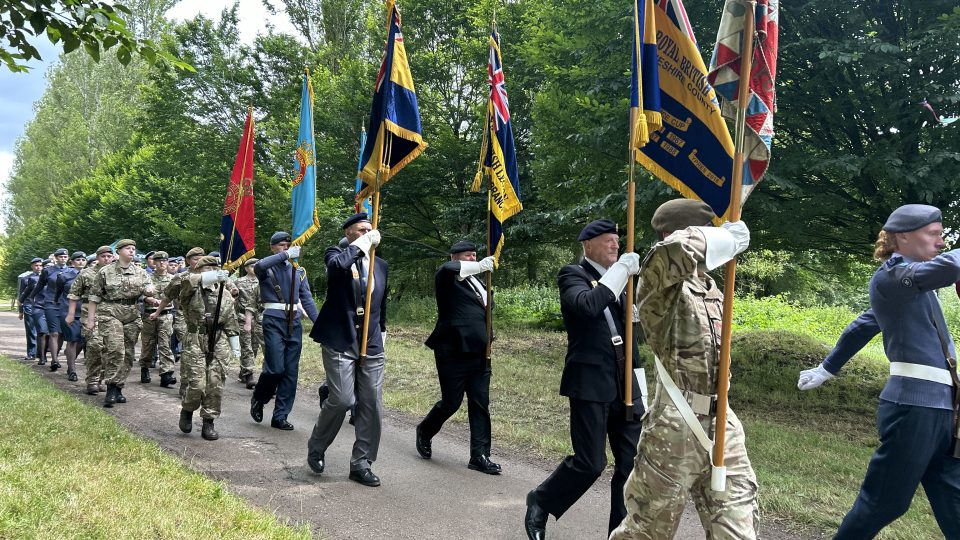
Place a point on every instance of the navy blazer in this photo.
(338, 324)
(461, 314)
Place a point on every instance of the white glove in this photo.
(616, 277)
(235, 345)
(293, 252)
(367, 241)
(469, 268)
(487, 264)
(383, 339)
(812, 378)
(213, 276)
(374, 237)
(741, 234)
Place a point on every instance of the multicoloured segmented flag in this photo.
(725, 77)
(394, 116)
(303, 196)
(237, 225)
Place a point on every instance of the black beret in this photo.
(91, 258)
(280, 236)
(149, 254)
(78, 255)
(61, 251)
(356, 218)
(596, 228)
(911, 217)
(463, 246)
(36, 260)
(678, 214)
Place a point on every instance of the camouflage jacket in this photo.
(681, 310)
(117, 289)
(198, 305)
(160, 283)
(249, 299)
(80, 290)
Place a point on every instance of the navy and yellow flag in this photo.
(236, 225)
(394, 116)
(645, 79)
(500, 155)
(691, 150)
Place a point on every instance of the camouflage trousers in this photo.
(250, 344)
(119, 340)
(92, 353)
(156, 337)
(670, 465)
(202, 380)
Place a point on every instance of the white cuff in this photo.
(469, 268)
(616, 278)
(235, 345)
(363, 243)
(721, 246)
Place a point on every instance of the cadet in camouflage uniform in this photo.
(113, 308)
(79, 294)
(171, 295)
(680, 310)
(157, 332)
(250, 317)
(176, 267)
(204, 373)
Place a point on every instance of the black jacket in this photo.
(461, 315)
(590, 371)
(336, 324)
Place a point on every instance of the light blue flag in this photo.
(364, 205)
(303, 196)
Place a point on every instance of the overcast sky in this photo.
(19, 91)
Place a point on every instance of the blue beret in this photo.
(61, 251)
(596, 228)
(911, 217)
(149, 254)
(463, 246)
(78, 255)
(91, 258)
(36, 260)
(356, 218)
(214, 254)
(280, 236)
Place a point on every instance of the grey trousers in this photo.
(351, 384)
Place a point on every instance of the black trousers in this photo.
(461, 374)
(590, 424)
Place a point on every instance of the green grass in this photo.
(68, 470)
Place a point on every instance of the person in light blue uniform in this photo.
(26, 307)
(282, 331)
(45, 290)
(71, 332)
(916, 418)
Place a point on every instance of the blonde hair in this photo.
(885, 245)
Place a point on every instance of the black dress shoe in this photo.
(323, 392)
(72, 376)
(144, 375)
(483, 464)
(365, 477)
(256, 410)
(186, 421)
(281, 423)
(535, 521)
(424, 447)
(316, 464)
(42, 361)
(54, 366)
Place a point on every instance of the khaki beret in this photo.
(250, 261)
(207, 260)
(126, 242)
(160, 255)
(679, 214)
(104, 249)
(194, 252)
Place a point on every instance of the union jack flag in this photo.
(498, 90)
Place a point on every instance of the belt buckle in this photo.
(360, 312)
(617, 340)
(703, 405)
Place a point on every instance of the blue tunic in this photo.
(281, 272)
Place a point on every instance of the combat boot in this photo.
(92, 389)
(111, 396)
(119, 395)
(167, 379)
(208, 432)
(250, 382)
(144, 375)
(186, 421)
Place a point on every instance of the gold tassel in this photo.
(477, 182)
(641, 132)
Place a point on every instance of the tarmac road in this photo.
(419, 499)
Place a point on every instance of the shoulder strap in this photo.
(272, 276)
(615, 338)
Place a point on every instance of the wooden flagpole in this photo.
(374, 223)
(718, 479)
(488, 309)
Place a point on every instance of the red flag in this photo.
(236, 227)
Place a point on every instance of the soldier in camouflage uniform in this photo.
(79, 294)
(176, 267)
(250, 317)
(680, 310)
(204, 373)
(113, 309)
(157, 332)
(170, 296)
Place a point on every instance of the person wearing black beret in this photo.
(25, 306)
(592, 302)
(72, 332)
(459, 343)
(44, 291)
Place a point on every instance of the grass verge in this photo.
(70, 471)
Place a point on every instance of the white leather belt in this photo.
(277, 305)
(920, 371)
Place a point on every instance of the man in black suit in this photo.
(459, 344)
(350, 378)
(592, 302)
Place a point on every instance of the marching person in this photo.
(25, 306)
(352, 380)
(459, 343)
(917, 415)
(72, 333)
(157, 330)
(44, 291)
(34, 305)
(79, 294)
(681, 308)
(118, 287)
(592, 302)
(171, 295)
(282, 331)
(204, 369)
(250, 317)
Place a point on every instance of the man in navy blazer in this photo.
(352, 380)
